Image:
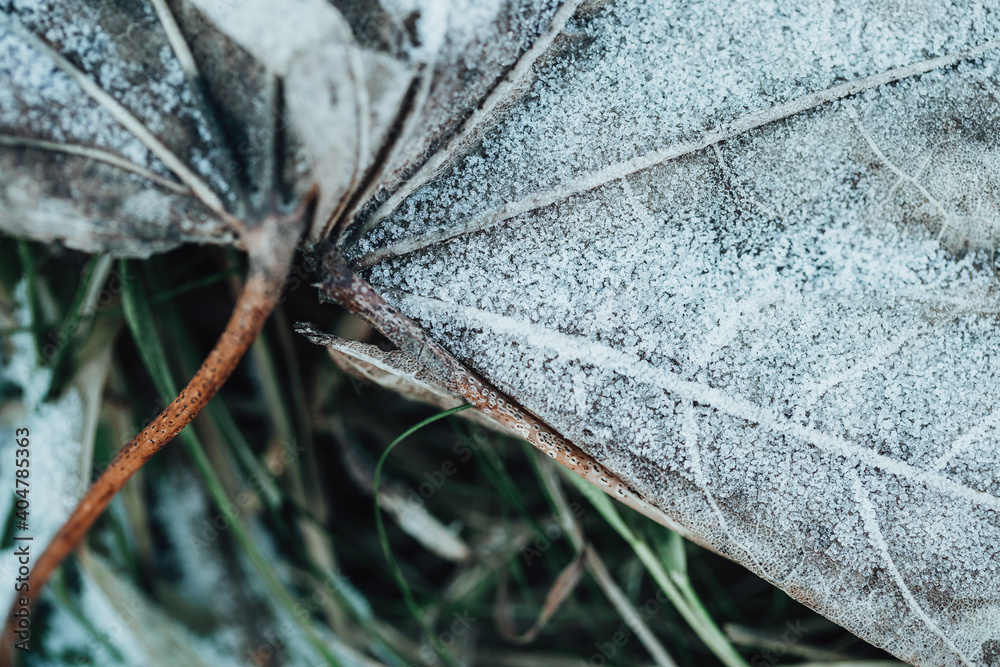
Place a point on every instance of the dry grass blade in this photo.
(561, 589)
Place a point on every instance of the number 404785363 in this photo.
(21, 474)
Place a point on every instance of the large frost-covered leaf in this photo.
(743, 256)
(740, 253)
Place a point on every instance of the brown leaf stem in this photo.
(271, 248)
(251, 311)
(341, 285)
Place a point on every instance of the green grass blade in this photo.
(75, 320)
(682, 596)
(383, 537)
(138, 315)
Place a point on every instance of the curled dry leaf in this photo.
(735, 261)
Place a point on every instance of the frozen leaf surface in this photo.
(132, 128)
(744, 256)
(89, 93)
(741, 253)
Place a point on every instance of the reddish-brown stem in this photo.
(272, 244)
(252, 309)
(346, 288)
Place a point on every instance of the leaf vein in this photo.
(609, 359)
(122, 115)
(94, 154)
(876, 537)
(620, 170)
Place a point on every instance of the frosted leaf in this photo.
(469, 58)
(72, 168)
(394, 370)
(743, 256)
(132, 129)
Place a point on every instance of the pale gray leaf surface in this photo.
(776, 320)
(308, 45)
(469, 58)
(132, 128)
(740, 253)
(72, 170)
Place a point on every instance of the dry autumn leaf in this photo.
(733, 263)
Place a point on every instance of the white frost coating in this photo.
(971, 436)
(437, 18)
(55, 443)
(596, 355)
(672, 72)
(124, 627)
(875, 535)
(689, 432)
(466, 58)
(90, 124)
(93, 38)
(744, 331)
(185, 516)
(121, 631)
(88, 93)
